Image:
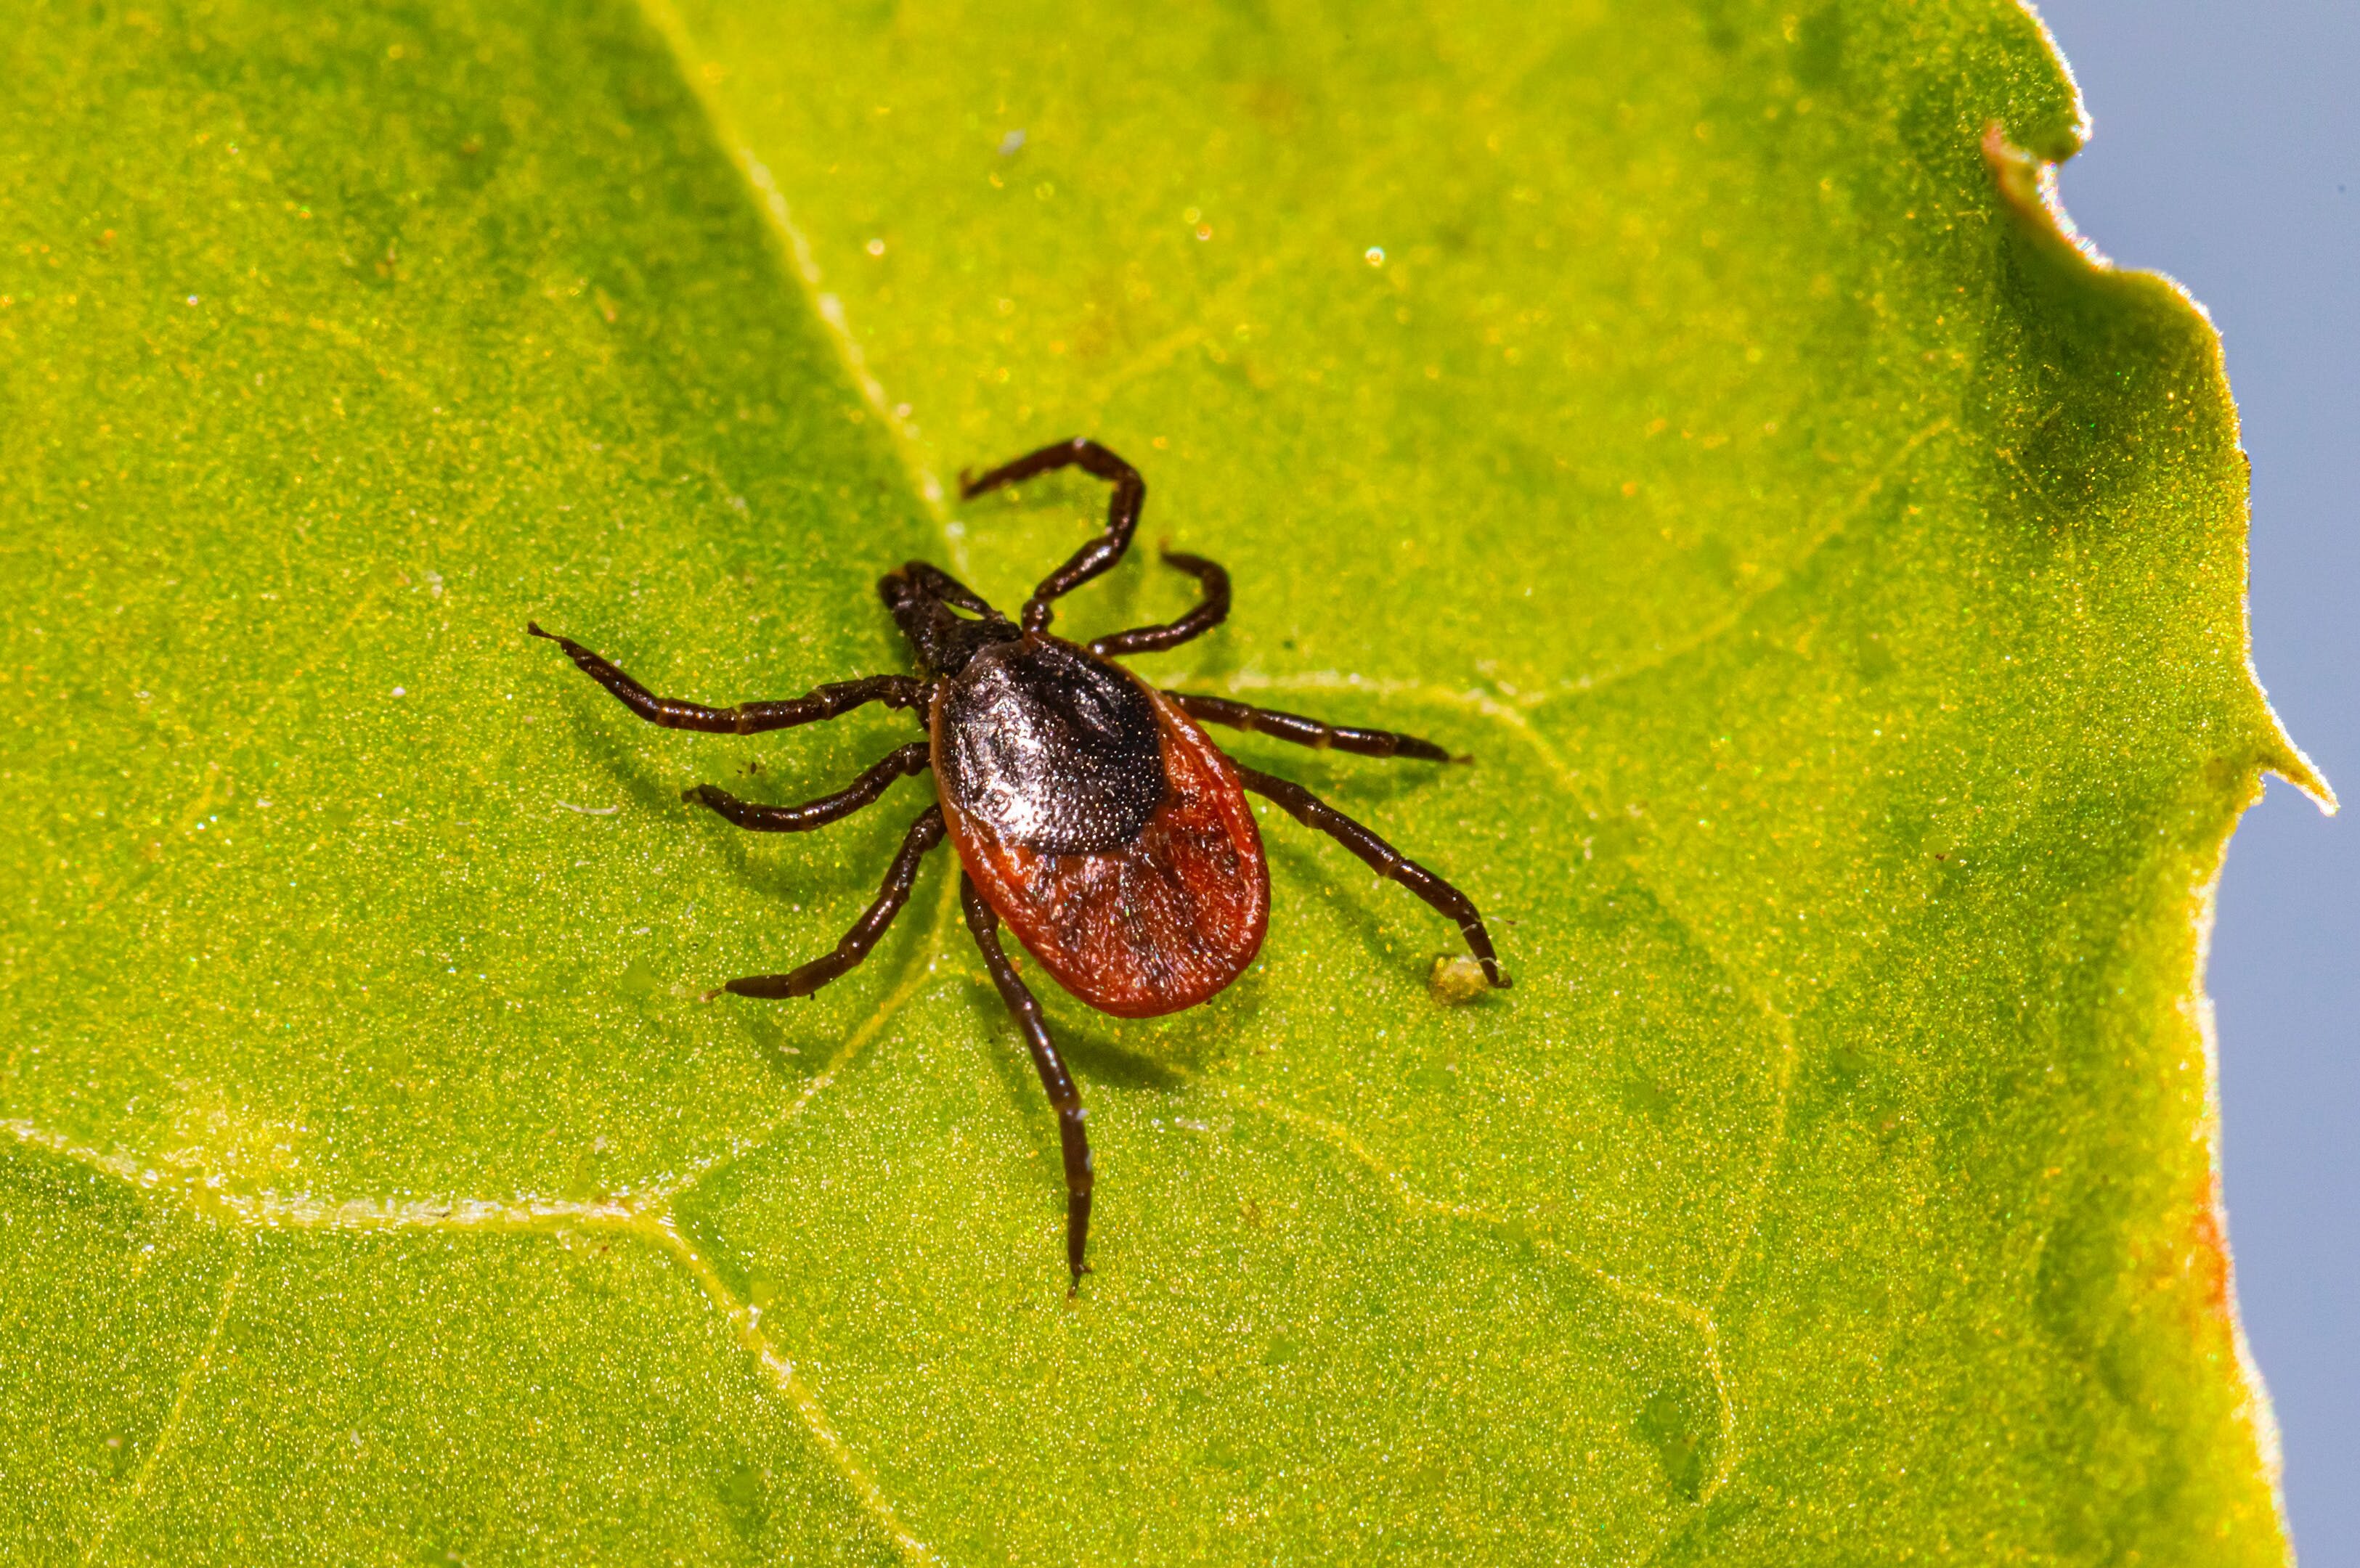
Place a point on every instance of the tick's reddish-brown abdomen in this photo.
(1152, 927)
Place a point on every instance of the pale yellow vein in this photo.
(198, 1365)
(907, 444)
(1698, 1317)
(1342, 1137)
(208, 1191)
(747, 1319)
(649, 1222)
(921, 969)
(1721, 626)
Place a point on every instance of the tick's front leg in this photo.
(746, 718)
(1100, 553)
(1316, 733)
(1210, 612)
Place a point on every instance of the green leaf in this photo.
(1837, 573)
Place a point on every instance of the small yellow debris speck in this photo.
(1457, 978)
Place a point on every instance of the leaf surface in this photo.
(1690, 412)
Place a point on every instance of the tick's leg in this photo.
(1308, 732)
(924, 833)
(863, 790)
(1210, 612)
(746, 718)
(1312, 812)
(1122, 515)
(985, 924)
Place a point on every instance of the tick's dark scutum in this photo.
(1051, 749)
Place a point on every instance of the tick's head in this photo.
(926, 601)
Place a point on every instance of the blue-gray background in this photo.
(2228, 154)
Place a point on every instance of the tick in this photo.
(1092, 811)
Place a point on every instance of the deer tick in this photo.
(1092, 811)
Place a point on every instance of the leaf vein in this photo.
(923, 967)
(746, 1319)
(650, 1221)
(828, 307)
(1728, 620)
(198, 1365)
(1698, 1316)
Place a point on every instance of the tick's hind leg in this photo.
(863, 790)
(746, 718)
(924, 833)
(1122, 514)
(1311, 732)
(985, 924)
(1312, 812)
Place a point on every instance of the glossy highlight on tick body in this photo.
(1091, 811)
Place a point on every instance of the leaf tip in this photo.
(2286, 760)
